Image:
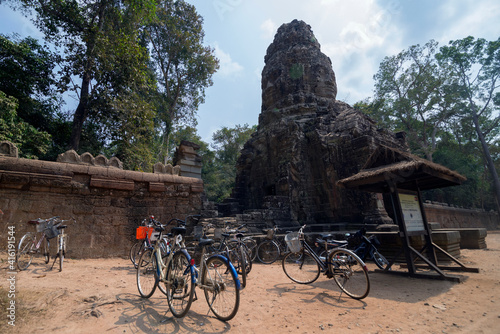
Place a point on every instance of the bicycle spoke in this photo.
(221, 290)
(180, 286)
(350, 273)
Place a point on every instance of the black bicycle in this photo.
(302, 265)
(359, 243)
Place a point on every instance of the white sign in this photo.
(411, 212)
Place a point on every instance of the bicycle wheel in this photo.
(238, 250)
(301, 267)
(221, 288)
(243, 264)
(165, 252)
(146, 274)
(135, 252)
(350, 273)
(268, 251)
(60, 242)
(45, 249)
(25, 251)
(180, 287)
(252, 247)
(248, 258)
(380, 260)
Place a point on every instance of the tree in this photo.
(412, 95)
(183, 66)
(219, 173)
(98, 44)
(26, 73)
(30, 142)
(474, 65)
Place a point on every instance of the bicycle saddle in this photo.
(336, 243)
(37, 221)
(61, 226)
(178, 230)
(206, 242)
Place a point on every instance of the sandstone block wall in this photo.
(453, 217)
(106, 202)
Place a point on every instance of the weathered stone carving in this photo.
(101, 160)
(87, 158)
(306, 140)
(9, 149)
(166, 169)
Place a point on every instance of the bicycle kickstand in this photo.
(55, 259)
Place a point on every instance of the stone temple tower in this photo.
(306, 141)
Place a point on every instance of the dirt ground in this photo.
(100, 296)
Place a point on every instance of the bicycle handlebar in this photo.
(301, 230)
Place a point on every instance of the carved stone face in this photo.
(296, 71)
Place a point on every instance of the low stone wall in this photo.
(391, 244)
(453, 217)
(106, 201)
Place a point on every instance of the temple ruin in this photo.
(305, 142)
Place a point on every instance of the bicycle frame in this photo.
(161, 266)
(38, 242)
(322, 264)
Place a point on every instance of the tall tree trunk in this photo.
(487, 156)
(81, 113)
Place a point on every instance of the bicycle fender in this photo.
(191, 267)
(231, 268)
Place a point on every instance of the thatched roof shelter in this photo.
(388, 166)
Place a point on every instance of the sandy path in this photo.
(100, 296)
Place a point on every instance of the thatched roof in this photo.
(402, 168)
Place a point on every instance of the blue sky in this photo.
(356, 35)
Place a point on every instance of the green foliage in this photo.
(31, 143)
(474, 68)
(447, 103)
(183, 66)
(412, 95)
(219, 167)
(99, 54)
(26, 73)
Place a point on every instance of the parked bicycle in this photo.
(169, 269)
(269, 250)
(234, 249)
(365, 248)
(303, 265)
(219, 281)
(359, 243)
(34, 243)
(146, 238)
(249, 241)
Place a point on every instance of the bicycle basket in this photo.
(51, 230)
(41, 226)
(293, 242)
(142, 232)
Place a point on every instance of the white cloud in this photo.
(268, 28)
(472, 16)
(228, 67)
